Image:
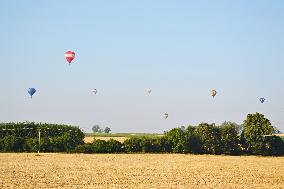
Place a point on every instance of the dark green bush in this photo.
(85, 148)
(114, 146)
(165, 145)
(274, 146)
(100, 146)
(12, 144)
(152, 145)
(193, 142)
(133, 144)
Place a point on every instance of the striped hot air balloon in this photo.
(69, 55)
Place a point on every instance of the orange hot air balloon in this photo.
(213, 93)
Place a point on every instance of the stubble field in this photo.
(139, 171)
(91, 139)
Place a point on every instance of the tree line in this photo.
(97, 129)
(253, 137)
(23, 137)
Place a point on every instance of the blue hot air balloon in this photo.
(31, 91)
(262, 100)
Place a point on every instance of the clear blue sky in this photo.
(179, 49)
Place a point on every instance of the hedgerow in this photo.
(23, 137)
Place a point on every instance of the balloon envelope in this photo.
(31, 91)
(95, 91)
(166, 115)
(69, 55)
(213, 93)
(262, 100)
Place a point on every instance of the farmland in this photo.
(121, 137)
(26, 170)
(89, 139)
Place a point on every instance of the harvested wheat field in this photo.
(139, 171)
(91, 139)
(88, 139)
(120, 139)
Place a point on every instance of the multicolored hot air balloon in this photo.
(262, 100)
(31, 92)
(69, 55)
(213, 93)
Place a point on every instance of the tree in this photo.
(107, 130)
(229, 138)
(190, 129)
(193, 142)
(256, 126)
(210, 136)
(177, 139)
(238, 127)
(96, 129)
(182, 128)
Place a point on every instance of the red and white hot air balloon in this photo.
(69, 55)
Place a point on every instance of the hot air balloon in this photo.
(149, 91)
(31, 91)
(213, 93)
(166, 115)
(262, 100)
(69, 55)
(95, 91)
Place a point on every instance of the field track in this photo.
(22, 170)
